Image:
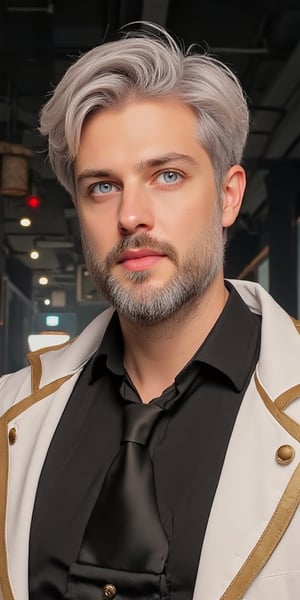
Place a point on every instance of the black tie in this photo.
(124, 546)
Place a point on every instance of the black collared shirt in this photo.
(187, 447)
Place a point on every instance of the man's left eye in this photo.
(169, 177)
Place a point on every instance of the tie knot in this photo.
(139, 420)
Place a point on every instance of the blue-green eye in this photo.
(169, 177)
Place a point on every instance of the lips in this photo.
(139, 259)
(137, 254)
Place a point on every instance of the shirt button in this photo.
(109, 590)
(12, 436)
(285, 454)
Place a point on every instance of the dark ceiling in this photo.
(39, 39)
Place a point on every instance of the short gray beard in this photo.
(145, 303)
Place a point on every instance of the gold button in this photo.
(109, 590)
(12, 436)
(285, 454)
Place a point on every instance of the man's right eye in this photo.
(104, 187)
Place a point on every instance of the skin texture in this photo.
(152, 230)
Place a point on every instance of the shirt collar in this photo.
(110, 352)
(232, 345)
(230, 348)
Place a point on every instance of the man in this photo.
(148, 140)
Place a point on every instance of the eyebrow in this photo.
(94, 173)
(165, 158)
(158, 161)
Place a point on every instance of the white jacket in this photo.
(251, 549)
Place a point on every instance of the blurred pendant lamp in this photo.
(14, 169)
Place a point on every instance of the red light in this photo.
(33, 201)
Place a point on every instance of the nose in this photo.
(135, 212)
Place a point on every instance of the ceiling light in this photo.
(14, 170)
(34, 254)
(25, 222)
(43, 280)
(47, 301)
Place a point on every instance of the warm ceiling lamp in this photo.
(14, 169)
(34, 254)
(25, 222)
(43, 280)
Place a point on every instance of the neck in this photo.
(154, 354)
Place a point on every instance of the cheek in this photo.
(192, 210)
(188, 224)
(98, 231)
(197, 227)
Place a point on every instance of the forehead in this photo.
(169, 115)
(144, 128)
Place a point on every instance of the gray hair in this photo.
(143, 65)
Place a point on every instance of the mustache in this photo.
(142, 240)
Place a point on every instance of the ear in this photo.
(233, 188)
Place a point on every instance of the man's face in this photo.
(147, 202)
